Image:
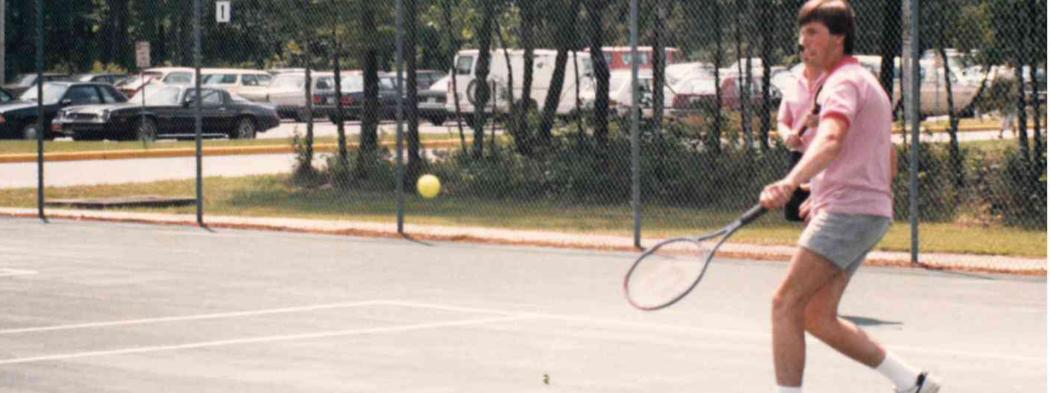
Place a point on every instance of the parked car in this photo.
(694, 97)
(24, 81)
(6, 96)
(353, 97)
(933, 98)
(181, 76)
(619, 57)
(168, 112)
(543, 71)
(110, 78)
(250, 84)
(287, 92)
(425, 79)
(620, 93)
(430, 105)
(18, 119)
(432, 102)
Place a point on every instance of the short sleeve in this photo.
(841, 98)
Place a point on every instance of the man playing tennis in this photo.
(851, 206)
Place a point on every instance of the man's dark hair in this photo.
(836, 15)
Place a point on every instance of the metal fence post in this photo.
(636, 188)
(197, 108)
(911, 70)
(400, 119)
(40, 109)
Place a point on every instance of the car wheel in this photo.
(146, 130)
(245, 129)
(29, 132)
(437, 120)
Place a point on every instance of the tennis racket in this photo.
(668, 271)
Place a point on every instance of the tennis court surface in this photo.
(102, 307)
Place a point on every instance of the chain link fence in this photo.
(521, 108)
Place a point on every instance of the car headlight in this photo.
(105, 115)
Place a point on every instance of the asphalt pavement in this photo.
(104, 307)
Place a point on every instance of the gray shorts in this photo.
(844, 239)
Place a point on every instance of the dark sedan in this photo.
(431, 104)
(168, 112)
(18, 119)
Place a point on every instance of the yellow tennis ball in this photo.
(428, 186)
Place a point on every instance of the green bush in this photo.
(938, 195)
(1017, 191)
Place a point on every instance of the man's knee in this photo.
(819, 319)
(786, 302)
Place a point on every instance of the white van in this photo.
(543, 70)
(250, 84)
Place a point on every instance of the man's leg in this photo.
(808, 273)
(823, 322)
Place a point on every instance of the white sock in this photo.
(785, 389)
(901, 374)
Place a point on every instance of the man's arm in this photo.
(831, 135)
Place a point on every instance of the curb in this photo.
(937, 262)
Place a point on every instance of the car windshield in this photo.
(164, 96)
(347, 83)
(220, 79)
(25, 79)
(52, 93)
(137, 80)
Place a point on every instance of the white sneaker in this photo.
(925, 384)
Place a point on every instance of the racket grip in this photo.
(753, 214)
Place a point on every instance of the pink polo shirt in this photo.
(858, 180)
(797, 104)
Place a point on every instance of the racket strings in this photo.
(667, 272)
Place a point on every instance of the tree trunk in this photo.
(953, 120)
(714, 140)
(595, 12)
(743, 80)
(481, 74)
(340, 128)
(411, 108)
(528, 18)
(566, 38)
(517, 129)
(1020, 57)
(370, 108)
(890, 44)
(659, 63)
(1034, 35)
(550, 105)
(117, 32)
(767, 61)
(454, 44)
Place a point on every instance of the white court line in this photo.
(197, 317)
(703, 331)
(16, 272)
(257, 340)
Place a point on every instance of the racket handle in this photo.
(753, 214)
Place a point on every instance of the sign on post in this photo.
(142, 54)
(222, 11)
